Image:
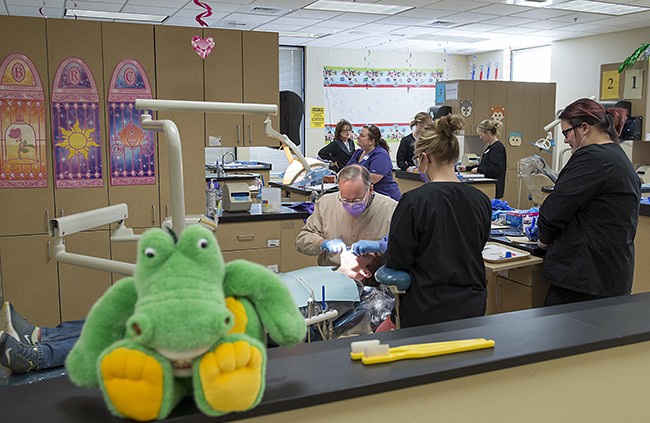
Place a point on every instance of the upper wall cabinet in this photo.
(77, 105)
(223, 83)
(261, 83)
(179, 76)
(129, 71)
(26, 196)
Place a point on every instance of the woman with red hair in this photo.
(589, 221)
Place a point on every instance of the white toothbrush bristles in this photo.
(376, 350)
(358, 346)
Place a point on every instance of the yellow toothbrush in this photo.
(373, 352)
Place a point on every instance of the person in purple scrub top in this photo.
(373, 155)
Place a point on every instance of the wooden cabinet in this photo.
(29, 278)
(223, 83)
(25, 211)
(641, 252)
(271, 243)
(179, 76)
(527, 107)
(261, 83)
(80, 287)
(291, 258)
(515, 288)
(121, 41)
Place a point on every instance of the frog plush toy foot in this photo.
(185, 324)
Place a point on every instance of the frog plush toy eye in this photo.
(176, 326)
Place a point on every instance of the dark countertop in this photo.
(298, 190)
(231, 176)
(416, 177)
(255, 214)
(322, 372)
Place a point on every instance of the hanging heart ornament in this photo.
(202, 46)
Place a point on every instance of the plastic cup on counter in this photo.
(271, 200)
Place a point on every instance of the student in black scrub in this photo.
(407, 144)
(437, 234)
(588, 223)
(339, 151)
(493, 161)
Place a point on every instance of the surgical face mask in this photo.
(355, 209)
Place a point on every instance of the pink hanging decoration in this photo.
(202, 46)
(206, 14)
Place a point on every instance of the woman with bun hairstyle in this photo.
(339, 151)
(493, 161)
(438, 232)
(406, 147)
(588, 223)
(373, 155)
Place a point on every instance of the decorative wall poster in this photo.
(132, 149)
(388, 98)
(23, 149)
(76, 126)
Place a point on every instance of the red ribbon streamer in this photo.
(206, 14)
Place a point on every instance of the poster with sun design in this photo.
(76, 127)
(23, 148)
(132, 158)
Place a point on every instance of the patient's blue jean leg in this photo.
(56, 343)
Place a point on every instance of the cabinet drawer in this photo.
(269, 257)
(248, 235)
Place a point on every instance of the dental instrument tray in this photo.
(498, 253)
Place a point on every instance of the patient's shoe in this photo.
(16, 357)
(17, 326)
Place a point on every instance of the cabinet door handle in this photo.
(245, 237)
(250, 134)
(153, 214)
(47, 219)
(166, 210)
(62, 213)
(238, 134)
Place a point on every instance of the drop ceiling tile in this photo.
(510, 21)
(458, 5)
(500, 9)
(50, 12)
(542, 13)
(313, 14)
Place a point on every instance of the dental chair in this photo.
(398, 281)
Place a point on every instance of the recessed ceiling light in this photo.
(114, 15)
(598, 7)
(356, 7)
(534, 3)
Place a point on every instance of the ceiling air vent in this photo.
(261, 10)
(442, 23)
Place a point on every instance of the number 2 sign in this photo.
(609, 85)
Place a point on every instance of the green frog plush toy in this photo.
(184, 324)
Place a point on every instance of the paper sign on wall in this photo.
(451, 91)
(317, 117)
(633, 84)
(609, 85)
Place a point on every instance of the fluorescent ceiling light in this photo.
(356, 7)
(598, 7)
(114, 15)
(533, 3)
(296, 34)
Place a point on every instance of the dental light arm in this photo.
(221, 107)
(68, 225)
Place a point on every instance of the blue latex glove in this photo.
(532, 231)
(366, 247)
(333, 246)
